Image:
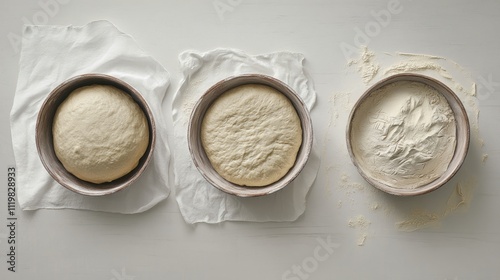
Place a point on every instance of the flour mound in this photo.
(404, 134)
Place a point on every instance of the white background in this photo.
(158, 244)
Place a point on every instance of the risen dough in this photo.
(251, 135)
(99, 133)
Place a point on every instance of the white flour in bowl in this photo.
(403, 134)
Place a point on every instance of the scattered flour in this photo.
(367, 66)
(361, 224)
(419, 55)
(359, 221)
(414, 65)
(473, 91)
(339, 102)
(451, 73)
(418, 219)
(458, 199)
(349, 186)
(403, 134)
(362, 239)
(334, 114)
(484, 158)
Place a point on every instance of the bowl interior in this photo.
(200, 158)
(44, 140)
(462, 134)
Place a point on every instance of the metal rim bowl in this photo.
(462, 134)
(44, 139)
(200, 158)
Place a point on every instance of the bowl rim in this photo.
(462, 126)
(59, 94)
(200, 158)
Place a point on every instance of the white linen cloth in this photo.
(49, 56)
(198, 200)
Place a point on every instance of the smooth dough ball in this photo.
(251, 135)
(99, 133)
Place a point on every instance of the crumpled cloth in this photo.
(49, 56)
(198, 200)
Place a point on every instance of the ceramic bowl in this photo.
(44, 140)
(200, 158)
(462, 134)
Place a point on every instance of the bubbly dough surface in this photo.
(251, 135)
(100, 133)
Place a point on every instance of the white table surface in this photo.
(158, 244)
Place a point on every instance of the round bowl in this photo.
(462, 134)
(44, 140)
(200, 158)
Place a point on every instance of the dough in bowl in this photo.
(99, 133)
(251, 135)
